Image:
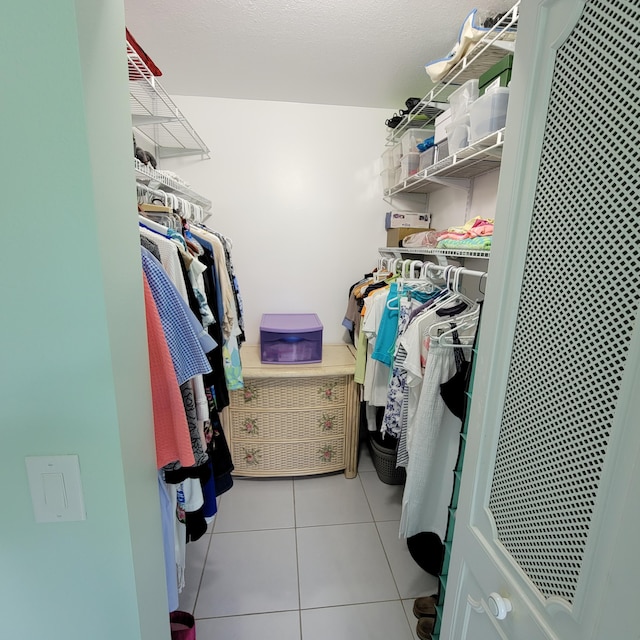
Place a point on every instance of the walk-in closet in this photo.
(320, 320)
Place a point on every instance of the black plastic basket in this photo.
(384, 461)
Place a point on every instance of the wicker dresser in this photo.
(294, 420)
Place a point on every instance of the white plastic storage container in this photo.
(391, 157)
(412, 138)
(462, 99)
(427, 158)
(489, 113)
(387, 159)
(442, 150)
(389, 178)
(441, 122)
(410, 164)
(458, 133)
(396, 152)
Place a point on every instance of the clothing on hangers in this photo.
(186, 356)
(408, 330)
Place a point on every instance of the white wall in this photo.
(75, 373)
(295, 187)
(449, 206)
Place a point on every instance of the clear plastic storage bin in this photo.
(396, 152)
(387, 159)
(442, 150)
(290, 338)
(427, 158)
(391, 157)
(441, 122)
(458, 133)
(389, 178)
(410, 164)
(462, 99)
(412, 138)
(489, 113)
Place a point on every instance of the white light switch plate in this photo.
(56, 490)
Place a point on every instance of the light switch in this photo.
(54, 493)
(55, 486)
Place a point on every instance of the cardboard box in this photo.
(407, 219)
(395, 236)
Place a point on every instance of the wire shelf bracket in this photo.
(155, 116)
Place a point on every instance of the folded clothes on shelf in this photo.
(480, 243)
(471, 235)
(476, 227)
(421, 239)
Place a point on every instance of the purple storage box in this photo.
(290, 338)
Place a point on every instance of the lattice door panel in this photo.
(578, 303)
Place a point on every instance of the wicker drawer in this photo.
(286, 425)
(288, 458)
(294, 393)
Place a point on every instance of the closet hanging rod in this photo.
(436, 269)
(460, 270)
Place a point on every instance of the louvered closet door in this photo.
(548, 513)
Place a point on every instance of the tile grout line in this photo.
(251, 613)
(295, 535)
(386, 555)
(306, 526)
(204, 566)
(331, 606)
(366, 497)
(376, 522)
(409, 622)
(206, 557)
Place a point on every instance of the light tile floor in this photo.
(305, 559)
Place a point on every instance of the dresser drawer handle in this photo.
(327, 391)
(326, 422)
(326, 453)
(252, 457)
(250, 426)
(249, 393)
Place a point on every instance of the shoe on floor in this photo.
(425, 606)
(424, 628)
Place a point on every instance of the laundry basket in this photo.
(384, 461)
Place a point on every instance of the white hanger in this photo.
(463, 321)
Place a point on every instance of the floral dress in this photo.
(392, 412)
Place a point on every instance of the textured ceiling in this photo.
(368, 53)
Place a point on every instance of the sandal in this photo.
(425, 606)
(412, 103)
(394, 121)
(425, 627)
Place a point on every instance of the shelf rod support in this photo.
(463, 184)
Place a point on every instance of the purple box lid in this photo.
(300, 322)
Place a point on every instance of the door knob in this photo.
(499, 606)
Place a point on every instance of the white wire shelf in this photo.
(456, 170)
(398, 252)
(157, 180)
(155, 115)
(488, 51)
